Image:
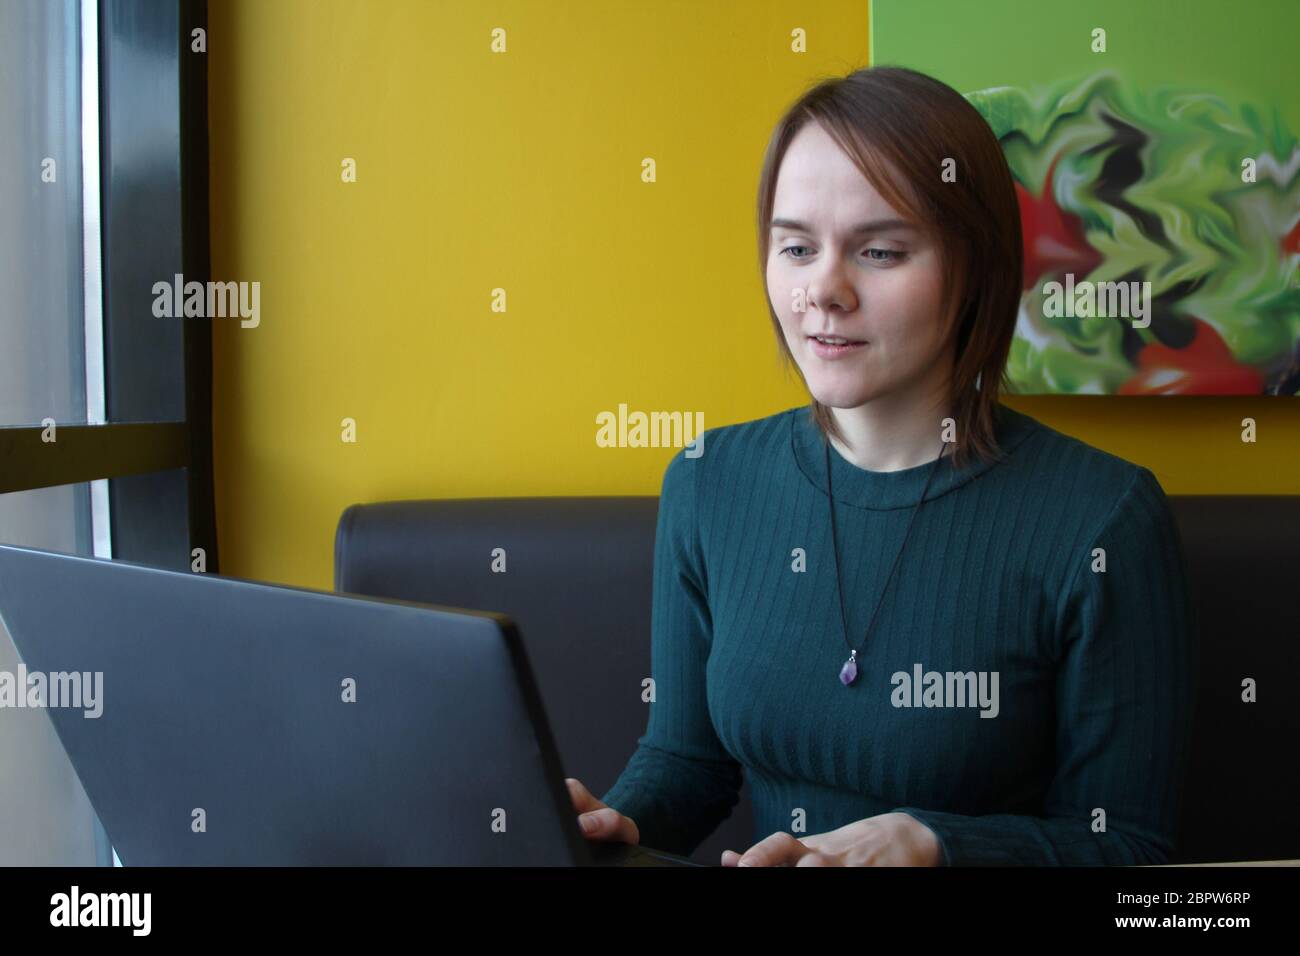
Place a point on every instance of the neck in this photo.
(891, 432)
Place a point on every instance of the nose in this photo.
(829, 288)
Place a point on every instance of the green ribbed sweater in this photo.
(1081, 761)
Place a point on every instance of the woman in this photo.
(932, 630)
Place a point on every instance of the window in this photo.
(105, 410)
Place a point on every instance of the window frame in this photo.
(150, 471)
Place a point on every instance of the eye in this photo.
(887, 255)
(875, 255)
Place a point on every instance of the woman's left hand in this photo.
(889, 839)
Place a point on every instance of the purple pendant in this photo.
(849, 672)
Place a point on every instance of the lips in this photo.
(825, 351)
(847, 340)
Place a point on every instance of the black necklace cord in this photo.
(835, 547)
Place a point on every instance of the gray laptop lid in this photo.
(247, 723)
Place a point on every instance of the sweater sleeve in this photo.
(680, 782)
(1125, 692)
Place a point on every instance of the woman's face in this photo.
(878, 285)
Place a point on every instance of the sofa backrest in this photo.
(578, 582)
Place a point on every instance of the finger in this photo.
(779, 849)
(607, 823)
(730, 857)
(599, 824)
(581, 796)
(813, 858)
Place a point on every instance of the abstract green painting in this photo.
(1156, 161)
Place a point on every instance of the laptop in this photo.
(220, 721)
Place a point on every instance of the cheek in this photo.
(778, 290)
(907, 305)
(780, 297)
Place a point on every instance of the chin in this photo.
(841, 398)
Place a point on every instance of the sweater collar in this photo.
(886, 490)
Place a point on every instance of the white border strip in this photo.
(92, 285)
(92, 263)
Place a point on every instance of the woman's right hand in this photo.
(598, 821)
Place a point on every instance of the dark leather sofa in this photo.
(579, 585)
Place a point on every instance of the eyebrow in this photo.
(862, 228)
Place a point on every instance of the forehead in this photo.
(818, 181)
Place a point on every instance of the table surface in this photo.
(1243, 863)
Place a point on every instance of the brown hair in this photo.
(895, 122)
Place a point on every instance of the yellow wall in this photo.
(522, 171)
